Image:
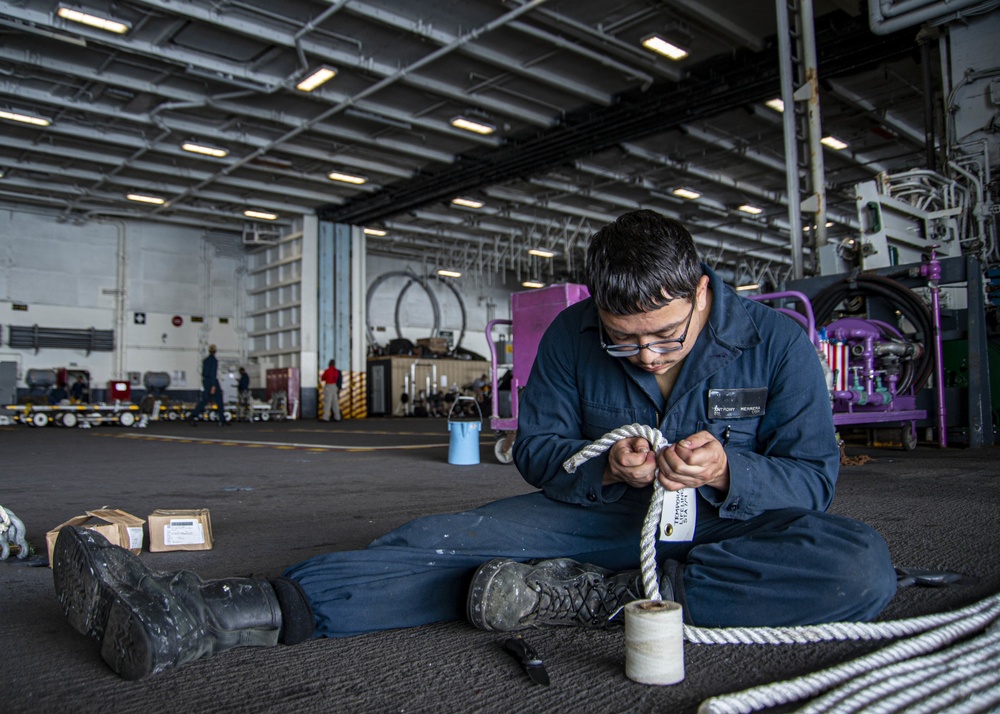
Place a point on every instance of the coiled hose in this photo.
(899, 297)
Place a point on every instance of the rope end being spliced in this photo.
(653, 436)
(647, 545)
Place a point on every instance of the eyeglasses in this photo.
(660, 347)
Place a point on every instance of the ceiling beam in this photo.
(713, 86)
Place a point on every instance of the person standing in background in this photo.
(79, 392)
(243, 388)
(332, 382)
(211, 390)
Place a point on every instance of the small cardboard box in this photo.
(119, 527)
(437, 345)
(181, 529)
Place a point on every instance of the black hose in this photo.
(899, 297)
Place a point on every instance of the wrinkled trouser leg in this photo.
(785, 567)
(328, 394)
(419, 572)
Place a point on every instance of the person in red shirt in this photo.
(332, 381)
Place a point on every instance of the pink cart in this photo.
(531, 313)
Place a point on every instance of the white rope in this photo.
(834, 631)
(809, 685)
(964, 678)
(647, 542)
(924, 684)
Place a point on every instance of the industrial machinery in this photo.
(875, 367)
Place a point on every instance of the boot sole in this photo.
(481, 582)
(85, 598)
(129, 644)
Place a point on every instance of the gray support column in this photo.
(788, 77)
(309, 322)
(342, 296)
(326, 287)
(800, 94)
(341, 317)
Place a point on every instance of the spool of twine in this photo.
(654, 642)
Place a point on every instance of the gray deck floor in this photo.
(282, 492)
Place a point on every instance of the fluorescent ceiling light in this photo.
(533, 284)
(145, 199)
(375, 232)
(467, 202)
(751, 286)
(101, 23)
(752, 210)
(473, 126)
(206, 150)
(686, 193)
(833, 142)
(346, 178)
(667, 49)
(24, 118)
(323, 74)
(775, 104)
(828, 225)
(449, 273)
(542, 252)
(261, 214)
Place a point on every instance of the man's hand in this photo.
(696, 460)
(630, 461)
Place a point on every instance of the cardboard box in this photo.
(437, 345)
(119, 527)
(181, 529)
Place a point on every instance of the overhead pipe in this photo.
(886, 17)
(925, 61)
(889, 8)
(121, 276)
(728, 230)
(724, 180)
(623, 49)
(577, 48)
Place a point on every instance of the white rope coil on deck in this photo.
(902, 676)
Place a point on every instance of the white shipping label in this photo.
(679, 515)
(186, 532)
(134, 537)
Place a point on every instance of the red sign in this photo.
(177, 320)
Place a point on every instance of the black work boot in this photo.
(507, 595)
(147, 621)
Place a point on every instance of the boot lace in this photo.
(589, 600)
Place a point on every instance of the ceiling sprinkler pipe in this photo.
(884, 18)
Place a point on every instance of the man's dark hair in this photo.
(640, 263)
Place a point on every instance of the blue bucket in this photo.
(463, 446)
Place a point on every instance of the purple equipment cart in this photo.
(532, 311)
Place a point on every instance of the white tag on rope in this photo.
(678, 517)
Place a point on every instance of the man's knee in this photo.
(870, 575)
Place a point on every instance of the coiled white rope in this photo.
(777, 693)
(932, 678)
